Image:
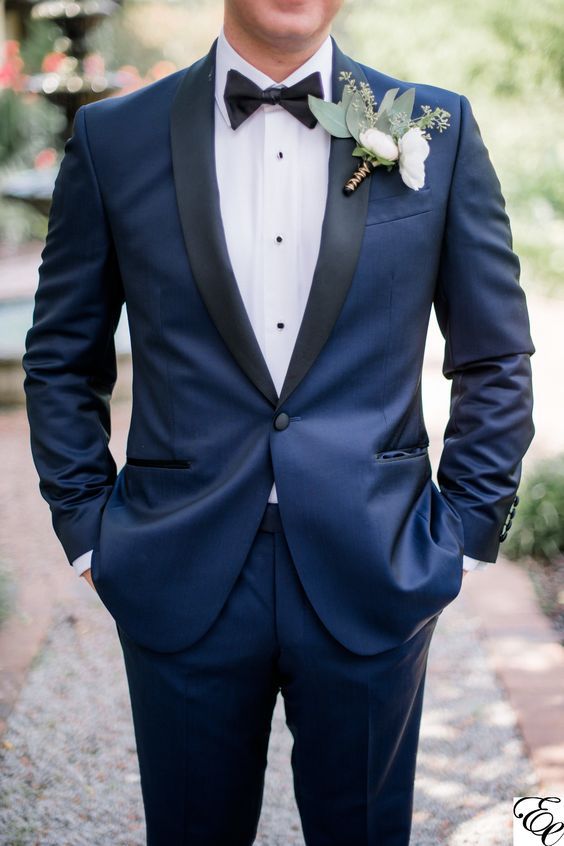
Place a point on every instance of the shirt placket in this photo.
(279, 251)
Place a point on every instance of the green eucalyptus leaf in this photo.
(404, 103)
(346, 98)
(387, 100)
(354, 116)
(331, 116)
(383, 123)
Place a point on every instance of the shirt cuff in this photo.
(82, 563)
(473, 564)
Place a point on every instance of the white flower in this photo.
(379, 143)
(413, 150)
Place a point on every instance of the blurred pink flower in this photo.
(129, 79)
(11, 69)
(45, 158)
(94, 65)
(51, 62)
(161, 69)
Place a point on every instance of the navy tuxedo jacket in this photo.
(378, 546)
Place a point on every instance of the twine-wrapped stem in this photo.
(364, 170)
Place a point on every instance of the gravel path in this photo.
(70, 775)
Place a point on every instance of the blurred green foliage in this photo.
(540, 40)
(538, 527)
(510, 47)
(12, 124)
(41, 36)
(27, 126)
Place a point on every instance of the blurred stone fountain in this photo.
(72, 77)
(76, 80)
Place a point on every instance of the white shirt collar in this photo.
(226, 57)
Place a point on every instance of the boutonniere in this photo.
(385, 136)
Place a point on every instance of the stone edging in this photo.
(528, 659)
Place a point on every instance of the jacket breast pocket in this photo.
(409, 203)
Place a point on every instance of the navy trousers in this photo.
(202, 718)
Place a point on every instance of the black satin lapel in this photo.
(341, 238)
(197, 192)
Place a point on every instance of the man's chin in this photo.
(291, 28)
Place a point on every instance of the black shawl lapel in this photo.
(195, 179)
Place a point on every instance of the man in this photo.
(275, 526)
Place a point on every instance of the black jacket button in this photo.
(281, 421)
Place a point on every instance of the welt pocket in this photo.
(165, 463)
(401, 454)
(399, 206)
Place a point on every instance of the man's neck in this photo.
(276, 61)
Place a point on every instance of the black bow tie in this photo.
(242, 97)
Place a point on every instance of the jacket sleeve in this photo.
(482, 314)
(70, 360)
